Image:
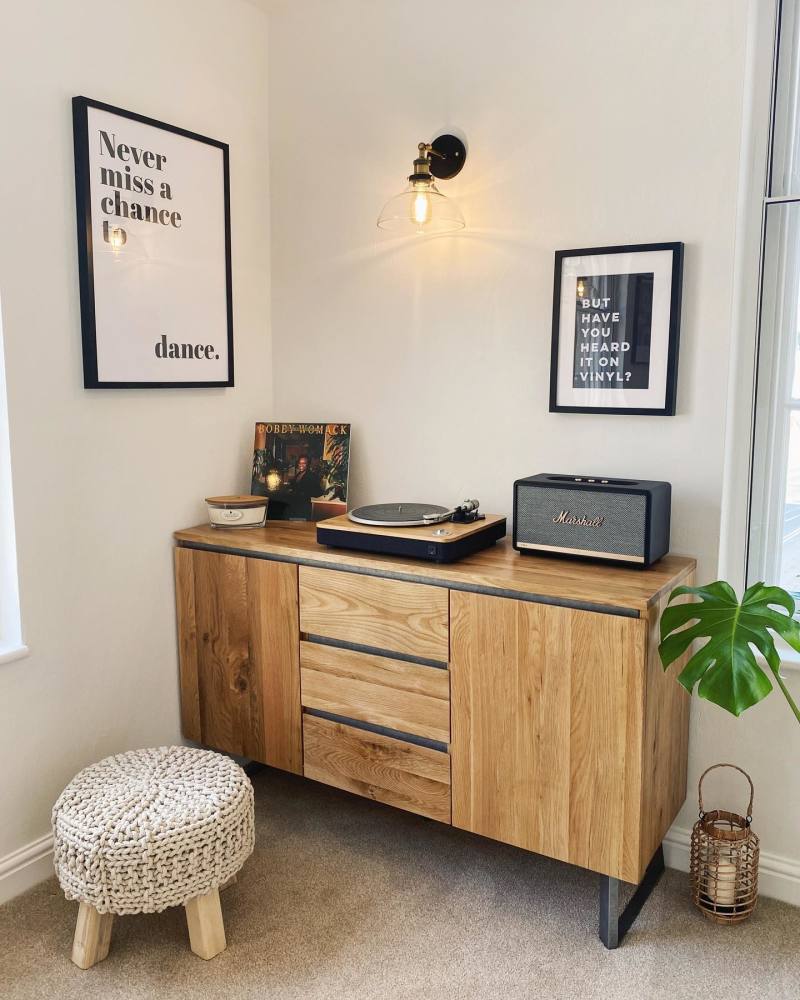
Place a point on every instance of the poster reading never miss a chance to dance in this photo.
(154, 251)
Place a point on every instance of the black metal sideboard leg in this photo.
(615, 925)
(253, 767)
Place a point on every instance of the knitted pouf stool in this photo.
(141, 831)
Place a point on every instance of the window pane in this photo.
(790, 540)
(776, 455)
(785, 174)
(796, 362)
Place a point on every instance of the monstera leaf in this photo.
(725, 668)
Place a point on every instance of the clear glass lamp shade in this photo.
(421, 208)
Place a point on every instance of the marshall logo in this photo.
(567, 517)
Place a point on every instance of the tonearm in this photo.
(465, 513)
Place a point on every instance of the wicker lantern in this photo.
(724, 860)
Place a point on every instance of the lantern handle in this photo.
(749, 815)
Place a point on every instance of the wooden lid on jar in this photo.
(241, 500)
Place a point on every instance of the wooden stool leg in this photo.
(92, 936)
(206, 930)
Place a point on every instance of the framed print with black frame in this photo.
(154, 251)
(616, 326)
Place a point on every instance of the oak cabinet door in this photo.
(239, 641)
(547, 715)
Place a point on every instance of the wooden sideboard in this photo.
(517, 697)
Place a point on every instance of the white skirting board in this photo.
(25, 868)
(778, 877)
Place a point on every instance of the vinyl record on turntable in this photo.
(397, 515)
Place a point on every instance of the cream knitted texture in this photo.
(141, 831)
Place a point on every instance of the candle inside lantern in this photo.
(722, 883)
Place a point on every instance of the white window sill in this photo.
(790, 658)
(9, 653)
(790, 662)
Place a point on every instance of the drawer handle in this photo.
(360, 647)
(369, 727)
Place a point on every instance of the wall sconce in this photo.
(422, 208)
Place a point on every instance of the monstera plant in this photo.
(725, 668)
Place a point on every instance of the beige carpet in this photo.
(344, 898)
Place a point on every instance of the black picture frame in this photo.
(80, 126)
(673, 336)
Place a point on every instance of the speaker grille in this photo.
(622, 532)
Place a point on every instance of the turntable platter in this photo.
(396, 515)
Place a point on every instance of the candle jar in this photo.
(237, 511)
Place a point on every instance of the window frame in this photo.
(778, 297)
(772, 426)
(757, 152)
(759, 91)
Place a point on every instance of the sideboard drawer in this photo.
(409, 697)
(410, 618)
(378, 767)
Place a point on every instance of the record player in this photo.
(423, 531)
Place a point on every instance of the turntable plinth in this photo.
(442, 543)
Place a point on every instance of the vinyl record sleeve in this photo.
(303, 468)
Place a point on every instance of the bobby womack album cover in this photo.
(303, 469)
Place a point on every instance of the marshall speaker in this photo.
(614, 520)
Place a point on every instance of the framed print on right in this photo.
(616, 326)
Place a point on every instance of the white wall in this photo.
(584, 129)
(102, 478)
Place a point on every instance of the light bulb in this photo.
(421, 209)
